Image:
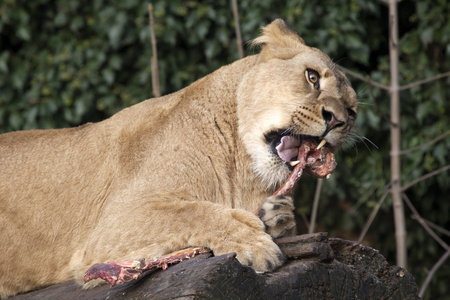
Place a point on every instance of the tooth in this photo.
(278, 147)
(294, 163)
(328, 176)
(322, 143)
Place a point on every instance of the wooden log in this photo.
(339, 269)
(312, 246)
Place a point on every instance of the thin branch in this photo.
(312, 226)
(424, 224)
(154, 60)
(364, 78)
(238, 29)
(386, 88)
(396, 189)
(426, 176)
(432, 271)
(442, 136)
(303, 217)
(437, 238)
(383, 197)
(434, 226)
(387, 1)
(426, 80)
(374, 213)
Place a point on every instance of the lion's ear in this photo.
(278, 40)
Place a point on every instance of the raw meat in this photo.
(117, 272)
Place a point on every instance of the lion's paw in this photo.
(277, 214)
(246, 237)
(262, 254)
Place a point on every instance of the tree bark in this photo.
(322, 269)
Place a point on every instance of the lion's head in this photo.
(294, 93)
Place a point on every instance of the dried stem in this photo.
(424, 224)
(426, 80)
(387, 1)
(385, 193)
(434, 226)
(433, 235)
(154, 59)
(437, 139)
(237, 29)
(386, 88)
(374, 213)
(426, 176)
(303, 217)
(399, 216)
(312, 226)
(364, 78)
(432, 271)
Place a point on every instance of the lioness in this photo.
(186, 169)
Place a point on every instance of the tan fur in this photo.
(277, 214)
(187, 169)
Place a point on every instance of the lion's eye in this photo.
(313, 77)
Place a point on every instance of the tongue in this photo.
(288, 148)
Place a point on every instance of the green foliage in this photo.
(64, 63)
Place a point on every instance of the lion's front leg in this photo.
(277, 214)
(157, 228)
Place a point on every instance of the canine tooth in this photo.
(278, 147)
(322, 143)
(294, 163)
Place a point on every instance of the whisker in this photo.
(362, 91)
(337, 62)
(363, 139)
(335, 65)
(356, 137)
(362, 103)
(290, 129)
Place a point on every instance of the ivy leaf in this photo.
(23, 33)
(427, 36)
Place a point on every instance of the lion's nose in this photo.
(331, 121)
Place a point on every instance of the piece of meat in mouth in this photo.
(302, 153)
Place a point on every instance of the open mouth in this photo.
(287, 146)
(301, 152)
